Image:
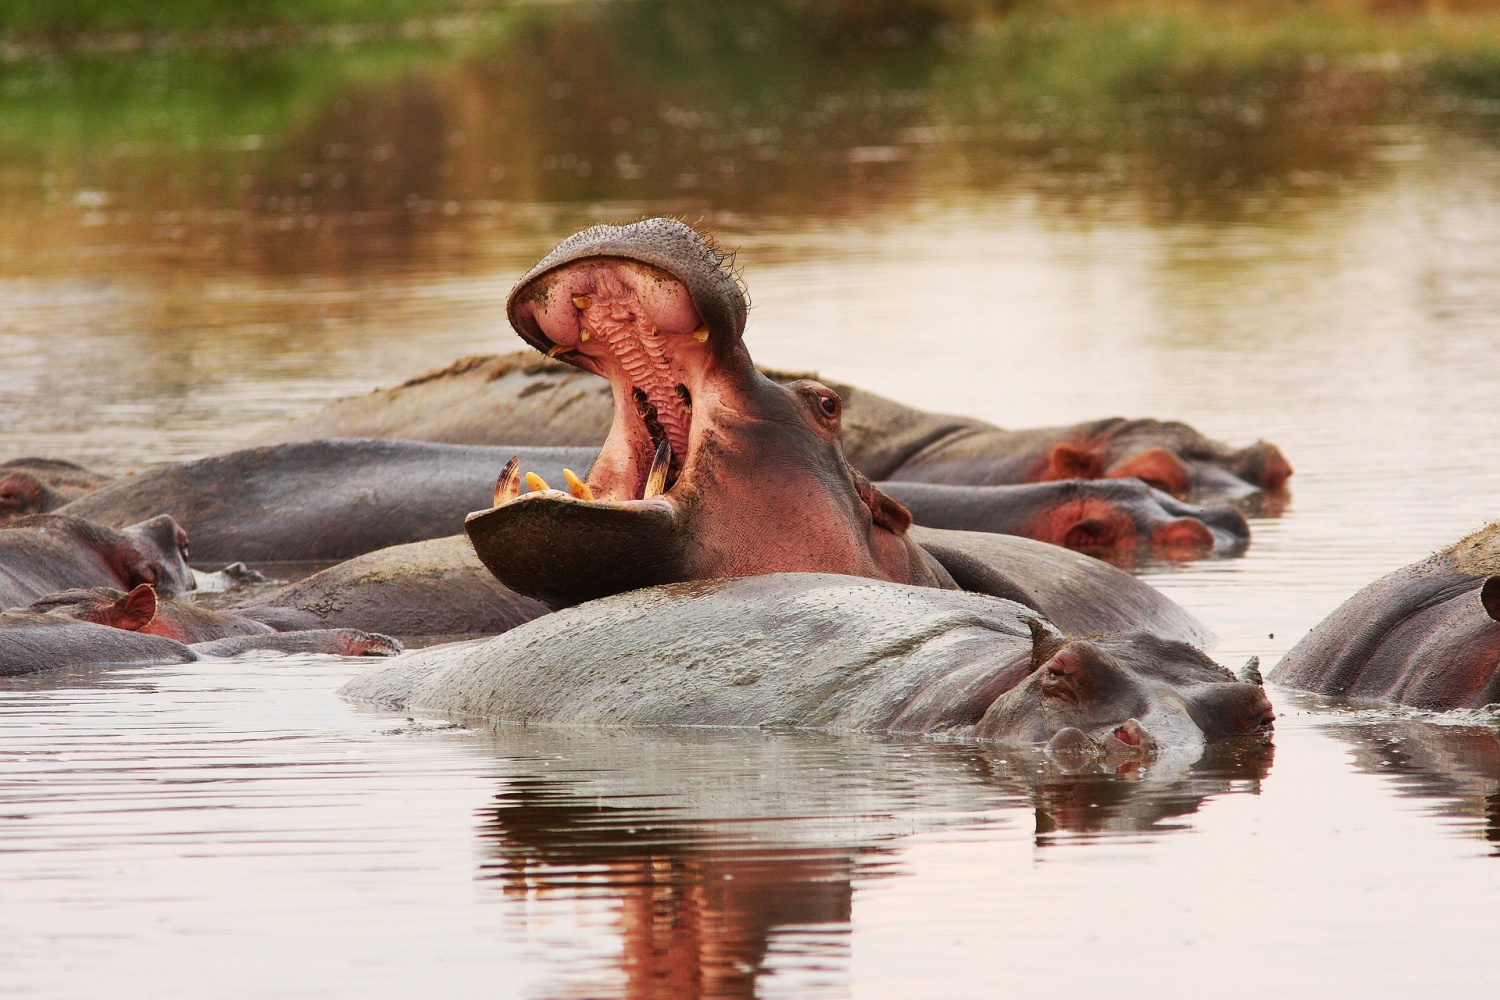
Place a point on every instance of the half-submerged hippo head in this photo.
(132, 612)
(1129, 693)
(710, 469)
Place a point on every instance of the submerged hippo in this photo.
(41, 485)
(522, 399)
(339, 498)
(422, 590)
(45, 553)
(1427, 635)
(88, 628)
(316, 500)
(818, 651)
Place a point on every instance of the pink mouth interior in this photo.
(636, 326)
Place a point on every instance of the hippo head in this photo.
(22, 493)
(710, 469)
(1128, 693)
(156, 553)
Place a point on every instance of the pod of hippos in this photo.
(784, 552)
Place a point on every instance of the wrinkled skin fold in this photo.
(820, 651)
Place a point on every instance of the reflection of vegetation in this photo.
(765, 107)
(68, 17)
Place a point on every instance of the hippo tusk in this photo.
(701, 334)
(577, 487)
(656, 479)
(1250, 672)
(508, 486)
(536, 483)
(582, 302)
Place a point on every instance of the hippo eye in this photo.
(829, 404)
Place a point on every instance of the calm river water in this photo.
(1303, 255)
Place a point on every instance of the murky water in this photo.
(1293, 250)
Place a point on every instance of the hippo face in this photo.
(1128, 693)
(157, 553)
(710, 469)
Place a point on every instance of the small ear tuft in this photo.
(135, 610)
(1489, 596)
(1045, 641)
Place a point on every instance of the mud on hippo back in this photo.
(1427, 635)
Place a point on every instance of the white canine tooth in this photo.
(656, 479)
(577, 487)
(536, 483)
(508, 486)
(583, 333)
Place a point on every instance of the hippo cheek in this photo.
(563, 551)
(1232, 709)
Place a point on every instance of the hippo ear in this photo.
(1157, 467)
(1068, 461)
(885, 511)
(1045, 641)
(1489, 596)
(134, 611)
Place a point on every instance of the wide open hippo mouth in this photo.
(653, 309)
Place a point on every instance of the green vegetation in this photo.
(70, 17)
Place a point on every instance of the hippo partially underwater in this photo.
(726, 495)
(819, 651)
(1427, 635)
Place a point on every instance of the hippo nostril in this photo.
(1183, 538)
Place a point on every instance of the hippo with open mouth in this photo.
(710, 468)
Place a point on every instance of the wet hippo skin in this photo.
(1427, 635)
(45, 553)
(820, 651)
(317, 500)
(523, 399)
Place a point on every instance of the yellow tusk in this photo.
(558, 349)
(536, 483)
(656, 479)
(583, 333)
(582, 301)
(508, 486)
(701, 334)
(577, 487)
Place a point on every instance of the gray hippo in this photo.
(41, 485)
(342, 497)
(827, 652)
(1427, 635)
(43, 553)
(522, 399)
(97, 627)
(315, 500)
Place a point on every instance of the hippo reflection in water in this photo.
(708, 883)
